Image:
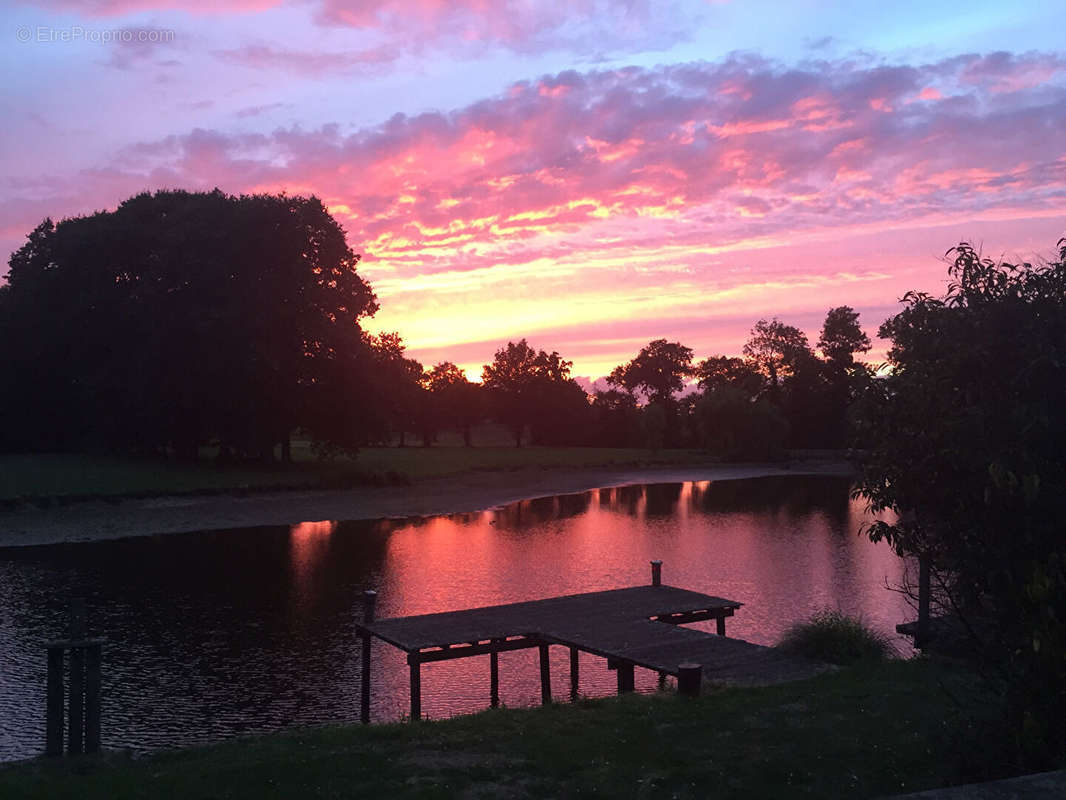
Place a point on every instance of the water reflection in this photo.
(225, 632)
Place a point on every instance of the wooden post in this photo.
(416, 688)
(92, 697)
(689, 677)
(494, 679)
(720, 625)
(53, 721)
(662, 681)
(922, 634)
(369, 602)
(625, 677)
(656, 573)
(545, 676)
(76, 707)
(574, 667)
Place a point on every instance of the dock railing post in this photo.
(416, 686)
(656, 573)
(76, 703)
(689, 677)
(369, 603)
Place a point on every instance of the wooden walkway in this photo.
(634, 627)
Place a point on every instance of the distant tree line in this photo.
(187, 319)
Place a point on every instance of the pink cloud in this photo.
(652, 195)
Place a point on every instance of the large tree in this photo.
(181, 318)
(528, 387)
(658, 371)
(777, 349)
(454, 401)
(964, 440)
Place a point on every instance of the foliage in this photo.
(735, 427)
(842, 337)
(775, 348)
(529, 387)
(835, 638)
(659, 370)
(718, 372)
(964, 439)
(181, 318)
(455, 402)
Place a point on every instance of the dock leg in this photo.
(53, 721)
(416, 691)
(494, 679)
(689, 678)
(92, 698)
(364, 698)
(76, 710)
(625, 677)
(573, 673)
(545, 676)
(662, 681)
(720, 622)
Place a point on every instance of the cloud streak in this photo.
(640, 192)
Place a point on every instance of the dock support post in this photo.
(369, 602)
(416, 688)
(720, 625)
(625, 677)
(76, 703)
(494, 679)
(92, 697)
(573, 673)
(662, 681)
(545, 676)
(656, 573)
(689, 677)
(53, 723)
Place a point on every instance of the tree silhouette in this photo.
(455, 401)
(528, 386)
(842, 337)
(182, 318)
(776, 348)
(964, 439)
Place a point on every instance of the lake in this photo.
(222, 633)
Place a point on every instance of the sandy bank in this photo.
(473, 491)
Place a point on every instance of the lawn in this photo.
(867, 731)
(43, 477)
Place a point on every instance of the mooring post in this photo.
(625, 677)
(719, 622)
(574, 667)
(76, 708)
(656, 573)
(662, 681)
(416, 687)
(92, 697)
(923, 600)
(689, 677)
(369, 602)
(53, 721)
(494, 678)
(545, 676)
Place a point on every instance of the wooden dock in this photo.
(634, 627)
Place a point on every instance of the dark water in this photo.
(222, 633)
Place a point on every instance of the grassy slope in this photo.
(75, 476)
(865, 732)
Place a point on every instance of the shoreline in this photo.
(102, 520)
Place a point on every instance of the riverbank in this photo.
(868, 731)
(97, 520)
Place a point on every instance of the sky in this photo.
(589, 175)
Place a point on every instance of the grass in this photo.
(836, 638)
(46, 478)
(875, 730)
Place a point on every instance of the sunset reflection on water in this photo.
(226, 632)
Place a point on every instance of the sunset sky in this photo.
(590, 174)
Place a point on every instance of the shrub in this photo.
(836, 638)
